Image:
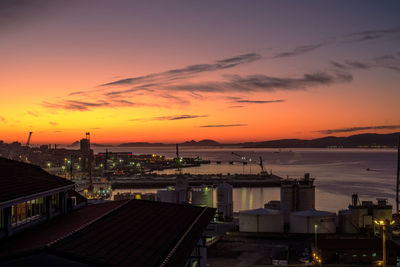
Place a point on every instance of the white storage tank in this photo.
(225, 201)
(305, 222)
(202, 196)
(261, 220)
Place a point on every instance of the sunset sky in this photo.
(171, 71)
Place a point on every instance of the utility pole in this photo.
(398, 178)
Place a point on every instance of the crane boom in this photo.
(240, 156)
(29, 139)
(261, 164)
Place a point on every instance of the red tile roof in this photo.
(18, 179)
(139, 233)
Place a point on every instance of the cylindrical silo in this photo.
(306, 197)
(287, 200)
(225, 201)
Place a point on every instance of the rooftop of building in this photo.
(19, 179)
(137, 232)
(43, 234)
(309, 213)
(261, 211)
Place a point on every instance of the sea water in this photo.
(338, 173)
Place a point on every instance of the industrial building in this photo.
(294, 213)
(261, 220)
(360, 252)
(312, 221)
(359, 217)
(297, 195)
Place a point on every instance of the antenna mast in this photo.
(398, 178)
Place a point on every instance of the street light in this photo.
(383, 223)
(315, 231)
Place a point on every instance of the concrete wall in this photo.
(260, 223)
(306, 224)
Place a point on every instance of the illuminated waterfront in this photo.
(338, 172)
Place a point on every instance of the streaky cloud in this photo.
(301, 50)
(179, 117)
(189, 70)
(237, 106)
(369, 35)
(260, 101)
(362, 128)
(222, 125)
(264, 83)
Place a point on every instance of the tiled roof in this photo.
(18, 179)
(43, 234)
(139, 233)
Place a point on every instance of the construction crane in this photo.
(29, 139)
(179, 160)
(242, 157)
(262, 168)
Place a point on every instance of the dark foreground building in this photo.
(29, 195)
(119, 233)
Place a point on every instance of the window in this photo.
(55, 202)
(28, 211)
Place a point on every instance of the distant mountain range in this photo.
(353, 141)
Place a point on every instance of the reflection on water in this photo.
(338, 172)
(254, 198)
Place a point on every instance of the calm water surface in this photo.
(338, 172)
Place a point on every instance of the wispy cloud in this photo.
(33, 114)
(237, 106)
(170, 118)
(53, 123)
(369, 35)
(189, 70)
(264, 83)
(362, 128)
(386, 61)
(222, 125)
(301, 50)
(75, 105)
(83, 105)
(179, 117)
(2, 119)
(260, 101)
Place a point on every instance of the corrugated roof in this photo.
(18, 179)
(139, 233)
